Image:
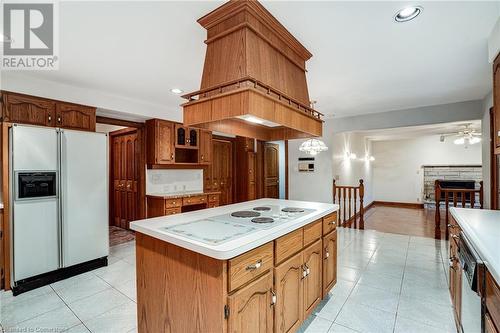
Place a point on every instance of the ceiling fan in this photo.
(466, 136)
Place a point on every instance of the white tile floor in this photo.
(386, 283)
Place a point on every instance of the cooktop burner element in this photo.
(292, 210)
(262, 220)
(245, 213)
(262, 209)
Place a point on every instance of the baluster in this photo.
(472, 199)
(481, 202)
(446, 204)
(355, 202)
(463, 198)
(344, 203)
(454, 199)
(437, 217)
(349, 205)
(361, 207)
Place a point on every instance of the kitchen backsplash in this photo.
(173, 181)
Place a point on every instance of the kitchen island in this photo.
(256, 266)
(478, 229)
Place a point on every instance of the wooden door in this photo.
(205, 151)
(289, 311)
(125, 173)
(73, 116)
(251, 309)
(252, 169)
(271, 170)
(312, 282)
(496, 100)
(329, 261)
(28, 110)
(222, 170)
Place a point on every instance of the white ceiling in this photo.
(402, 133)
(363, 62)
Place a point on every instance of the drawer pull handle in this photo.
(255, 266)
(452, 226)
(273, 298)
(327, 254)
(455, 236)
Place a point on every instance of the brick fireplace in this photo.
(451, 176)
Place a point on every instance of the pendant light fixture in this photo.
(313, 147)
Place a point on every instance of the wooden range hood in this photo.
(253, 68)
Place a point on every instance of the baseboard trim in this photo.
(398, 204)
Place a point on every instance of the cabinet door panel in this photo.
(289, 305)
(75, 116)
(28, 110)
(164, 146)
(205, 152)
(250, 307)
(313, 260)
(329, 261)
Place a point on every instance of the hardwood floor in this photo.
(404, 221)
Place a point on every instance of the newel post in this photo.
(361, 206)
(437, 199)
(481, 196)
(334, 189)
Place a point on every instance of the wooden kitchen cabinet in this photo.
(74, 116)
(24, 109)
(205, 151)
(17, 108)
(160, 141)
(329, 262)
(496, 102)
(313, 260)
(164, 205)
(492, 303)
(186, 137)
(251, 309)
(289, 306)
(455, 271)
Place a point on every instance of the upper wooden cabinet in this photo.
(496, 102)
(186, 137)
(205, 152)
(170, 143)
(75, 116)
(160, 142)
(28, 110)
(24, 109)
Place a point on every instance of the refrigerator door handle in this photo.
(60, 225)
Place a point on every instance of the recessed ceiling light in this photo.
(408, 13)
(176, 91)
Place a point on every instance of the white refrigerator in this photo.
(59, 199)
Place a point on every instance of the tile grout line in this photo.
(401, 286)
(67, 305)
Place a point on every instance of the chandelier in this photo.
(313, 147)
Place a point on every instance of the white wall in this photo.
(317, 185)
(397, 169)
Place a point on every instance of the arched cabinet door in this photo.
(313, 260)
(289, 311)
(329, 261)
(251, 308)
(180, 136)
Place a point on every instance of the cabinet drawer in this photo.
(329, 223)
(171, 203)
(312, 232)
(194, 200)
(171, 211)
(213, 198)
(453, 228)
(213, 204)
(249, 265)
(493, 299)
(287, 245)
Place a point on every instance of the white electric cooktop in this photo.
(224, 228)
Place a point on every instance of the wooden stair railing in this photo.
(459, 196)
(347, 198)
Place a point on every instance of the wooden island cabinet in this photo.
(271, 288)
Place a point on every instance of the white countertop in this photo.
(482, 229)
(154, 227)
